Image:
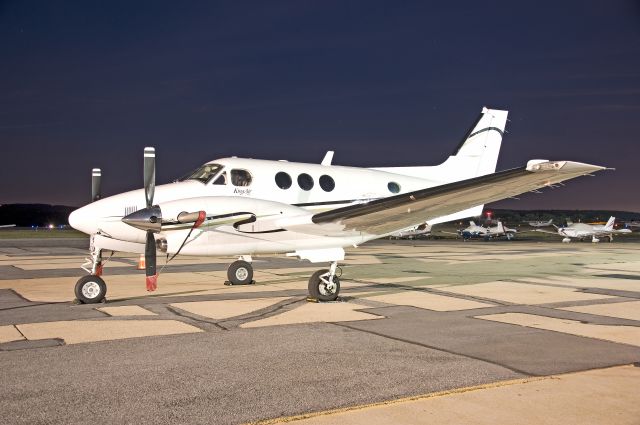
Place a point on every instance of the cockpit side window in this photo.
(222, 179)
(203, 174)
(240, 177)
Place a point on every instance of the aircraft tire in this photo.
(240, 273)
(318, 290)
(90, 289)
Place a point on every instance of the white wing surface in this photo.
(388, 215)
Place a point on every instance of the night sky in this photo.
(89, 84)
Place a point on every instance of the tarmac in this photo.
(424, 332)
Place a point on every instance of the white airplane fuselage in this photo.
(594, 231)
(262, 197)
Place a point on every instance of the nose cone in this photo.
(83, 220)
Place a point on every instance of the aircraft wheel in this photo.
(90, 289)
(320, 289)
(240, 273)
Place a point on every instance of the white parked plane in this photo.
(244, 207)
(585, 231)
(539, 223)
(489, 232)
(414, 232)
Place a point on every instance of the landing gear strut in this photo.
(324, 285)
(92, 289)
(240, 273)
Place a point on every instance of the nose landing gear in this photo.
(92, 289)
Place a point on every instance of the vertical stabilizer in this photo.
(610, 223)
(476, 155)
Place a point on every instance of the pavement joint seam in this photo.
(431, 347)
(272, 310)
(329, 412)
(186, 315)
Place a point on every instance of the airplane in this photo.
(245, 207)
(539, 223)
(583, 231)
(489, 232)
(414, 232)
(632, 223)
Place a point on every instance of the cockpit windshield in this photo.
(204, 173)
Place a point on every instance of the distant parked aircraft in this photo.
(583, 231)
(7, 225)
(415, 232)
(489, 232)
(539, 223)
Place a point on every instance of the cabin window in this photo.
(305, 181)
(326, 183)
(240, 178)
(393, 187)
(222, 179)
(283, 180)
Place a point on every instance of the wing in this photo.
(544, 231)
(383, 216)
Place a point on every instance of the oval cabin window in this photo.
(283, 180)
(305, 181)
(326, 183)
(393, 187)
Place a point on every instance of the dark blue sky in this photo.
(87, 84)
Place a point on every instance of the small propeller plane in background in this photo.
(415, 232)
(582, 231)
(539, 223)
(487, 233)
(245, 207)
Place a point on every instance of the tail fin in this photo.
(480, 146)
(476, 155)
(472, 223)
(609, 225)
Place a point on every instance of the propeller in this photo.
(96, 178)
(150, 244)
(149, 219)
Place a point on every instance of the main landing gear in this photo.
(240, 272)
(324, 285)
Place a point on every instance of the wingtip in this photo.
(564, 166)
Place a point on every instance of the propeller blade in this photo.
(96, 179)
(149, 174)
(150, 262)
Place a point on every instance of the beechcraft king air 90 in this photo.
(245, 207)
